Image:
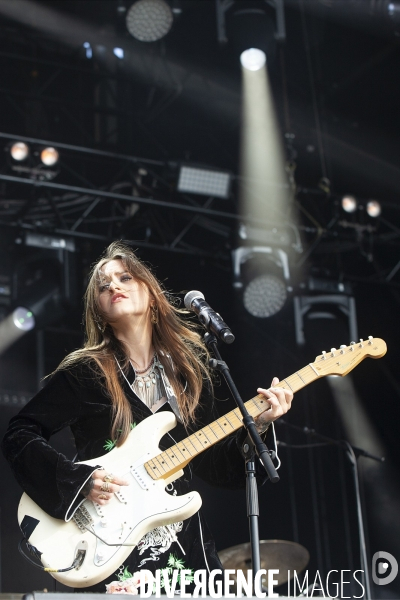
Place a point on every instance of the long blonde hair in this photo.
(185, 369)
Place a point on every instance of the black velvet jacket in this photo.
(76, 398)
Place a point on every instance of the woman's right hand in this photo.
(102, 496)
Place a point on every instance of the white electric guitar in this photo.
(98, 539)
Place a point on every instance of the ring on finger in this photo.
(108, 477)
(105, 487)
(102, 497)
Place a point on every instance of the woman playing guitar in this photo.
(139, 358)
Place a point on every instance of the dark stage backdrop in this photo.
(313, 504)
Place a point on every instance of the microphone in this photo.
(211, 320)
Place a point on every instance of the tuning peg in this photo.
(333, 350)
(342, 347)
(370, 337)
(323, 354)
(352, 344)
(361, 343)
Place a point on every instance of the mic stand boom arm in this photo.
(257, 446)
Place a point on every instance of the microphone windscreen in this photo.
(190, 296)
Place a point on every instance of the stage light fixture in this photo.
(262, 272)
(119, 53)
(253, 59)
(88, 50)
(14, 326)
(329, 300)
(374, 209)
(149, 20)
(52, 242)
(19, 151)
(265, 296)
(349, 204)
(393, 10)
(204, 181)
(49, 156)
(23, 319)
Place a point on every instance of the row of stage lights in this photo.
(350, 204)
(20, 152)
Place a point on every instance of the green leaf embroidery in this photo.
(110, 444)
(175, 563)
(125, 575)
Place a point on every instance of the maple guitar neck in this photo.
(337, 362)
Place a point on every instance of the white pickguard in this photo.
(137, 509)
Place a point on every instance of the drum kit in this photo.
(286, 557)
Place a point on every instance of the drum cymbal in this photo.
(274, 554)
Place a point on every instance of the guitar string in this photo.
(306, 371)
(182, 447)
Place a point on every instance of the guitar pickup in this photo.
(121, 497)
(140, 475)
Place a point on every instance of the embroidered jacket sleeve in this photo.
(47, 476)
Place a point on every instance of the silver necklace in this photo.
(148, 384)
(163, 386)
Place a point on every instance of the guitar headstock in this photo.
(341, 361)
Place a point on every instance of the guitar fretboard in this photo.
(178, 456)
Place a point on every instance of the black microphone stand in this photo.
(352, 453)
(252, 448)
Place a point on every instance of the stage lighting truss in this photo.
(265, 291)
(33, 162)
(204, 181)
(149, 20)
(88, 203)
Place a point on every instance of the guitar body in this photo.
(125, 519)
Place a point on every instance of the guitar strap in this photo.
(169, 392)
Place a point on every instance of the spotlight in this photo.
(393, 10)
(49, 156)
(23, 319)
(119, 53)
(253, 59)
(88, 50)
(349, 204)
(19, 151)
(254, 269)
(374, 209)
(265, 296)
(14, 326)
(149, 20)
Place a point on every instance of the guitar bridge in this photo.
(82, 518)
